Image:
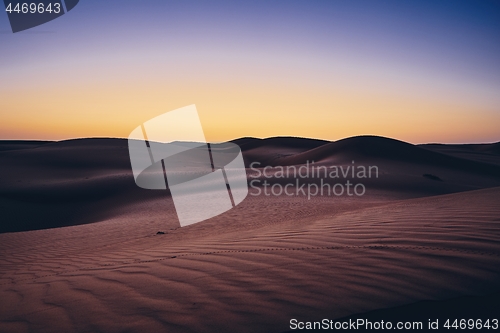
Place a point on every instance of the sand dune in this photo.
(267, 150)
(66, 183)
(223, 276)
(20, 144)
(486, 153)
(409, 239)
(53, 184)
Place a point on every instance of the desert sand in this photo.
(80, 249)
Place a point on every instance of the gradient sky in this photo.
(419, 71)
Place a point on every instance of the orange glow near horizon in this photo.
(228, 112)
(325, 70)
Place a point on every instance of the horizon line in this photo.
(257, 138)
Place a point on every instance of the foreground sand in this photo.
(251, 269)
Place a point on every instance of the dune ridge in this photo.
(53, 184)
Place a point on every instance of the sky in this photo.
(418, 71)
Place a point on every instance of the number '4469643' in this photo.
(33, 8)
(471, 324)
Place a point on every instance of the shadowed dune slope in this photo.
(380, 148)
(66, 183)
(281, 142)
(268, 150)
(21, 144)
(486, 153)
(403, 170)
(54, 184)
